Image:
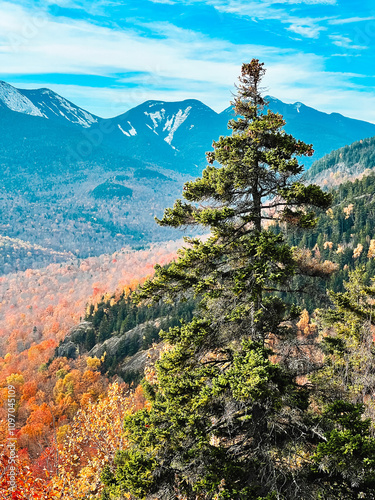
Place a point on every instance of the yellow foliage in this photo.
(304, 320)
(61, 433)
(348, 210)
(93, 363)
(371, 250)
(91, 441)
(86, 398)
(15, 379)
(329, 212)
(357, 251)
(313, 266)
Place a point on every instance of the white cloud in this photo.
(245, 6)
(306, 31)
(349, 20)
(68, 46)
(265, 10)
(346, 42)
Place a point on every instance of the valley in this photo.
(74, 183)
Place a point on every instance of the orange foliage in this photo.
(18, 480)
(91, 441)
(37, 310)
(52, 300)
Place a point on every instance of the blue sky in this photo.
(108, 56)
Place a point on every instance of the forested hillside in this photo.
(38, 309)
(348, 163)
(86, 212)
(344, 235)
(115, 330)
(247, 391)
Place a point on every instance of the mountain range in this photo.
(169, 134)
(76, 183)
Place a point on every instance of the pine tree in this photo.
(226, 422)
(90, 340)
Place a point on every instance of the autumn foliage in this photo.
(37, 310)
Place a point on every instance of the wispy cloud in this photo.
(346, 43)
(78, 47)
(306, 31)
(350, 20)
(277, 11)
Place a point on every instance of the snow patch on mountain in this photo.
(156, 117)
(130, 132)
(153, 130)
(76, 115)
(15, 101)
(172, 124)
(50, 102)
(169, 124)
(123, 131)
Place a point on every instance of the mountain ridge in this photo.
(56, 157)
(176, 134)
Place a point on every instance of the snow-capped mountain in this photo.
(168, 121)
(173, 135)
(53, 106)
(14, 100)
(46, 104)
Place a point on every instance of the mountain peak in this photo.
(53, 106)
(17, 101)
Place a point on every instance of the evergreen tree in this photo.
(90, 340)
(345, 461)
(224, 421)
(348, 345)
(104, 330)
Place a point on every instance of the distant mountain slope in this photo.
(55, 107)
(13, 99)
(18, 255)
(174, 135)
(88, 212)
(344, 164)
(46, 104)
(326, 132)
(176, 132)
(55, 158)
(189, 127)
